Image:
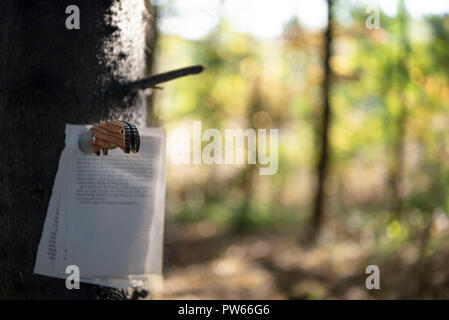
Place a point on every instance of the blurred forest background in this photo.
(364, 183)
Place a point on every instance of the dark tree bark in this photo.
(50, 76)
(323, 163)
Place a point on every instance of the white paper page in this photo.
(60, 261)
(50, 247)
(114, 234)
(111, 207)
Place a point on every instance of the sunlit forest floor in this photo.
(273, 265)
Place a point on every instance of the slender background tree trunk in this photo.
(50, 76)
(323, 163)
(399, 131)
(152, 36)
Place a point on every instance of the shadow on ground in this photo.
(278, 266)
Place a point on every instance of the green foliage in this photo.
(390, 94)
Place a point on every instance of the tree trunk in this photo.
(152, 36)
(50, 76)
(398, 137)
(318, 209)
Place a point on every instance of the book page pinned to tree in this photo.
(106, 214)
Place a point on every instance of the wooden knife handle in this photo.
(115, 134)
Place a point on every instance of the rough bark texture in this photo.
(50, 76)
